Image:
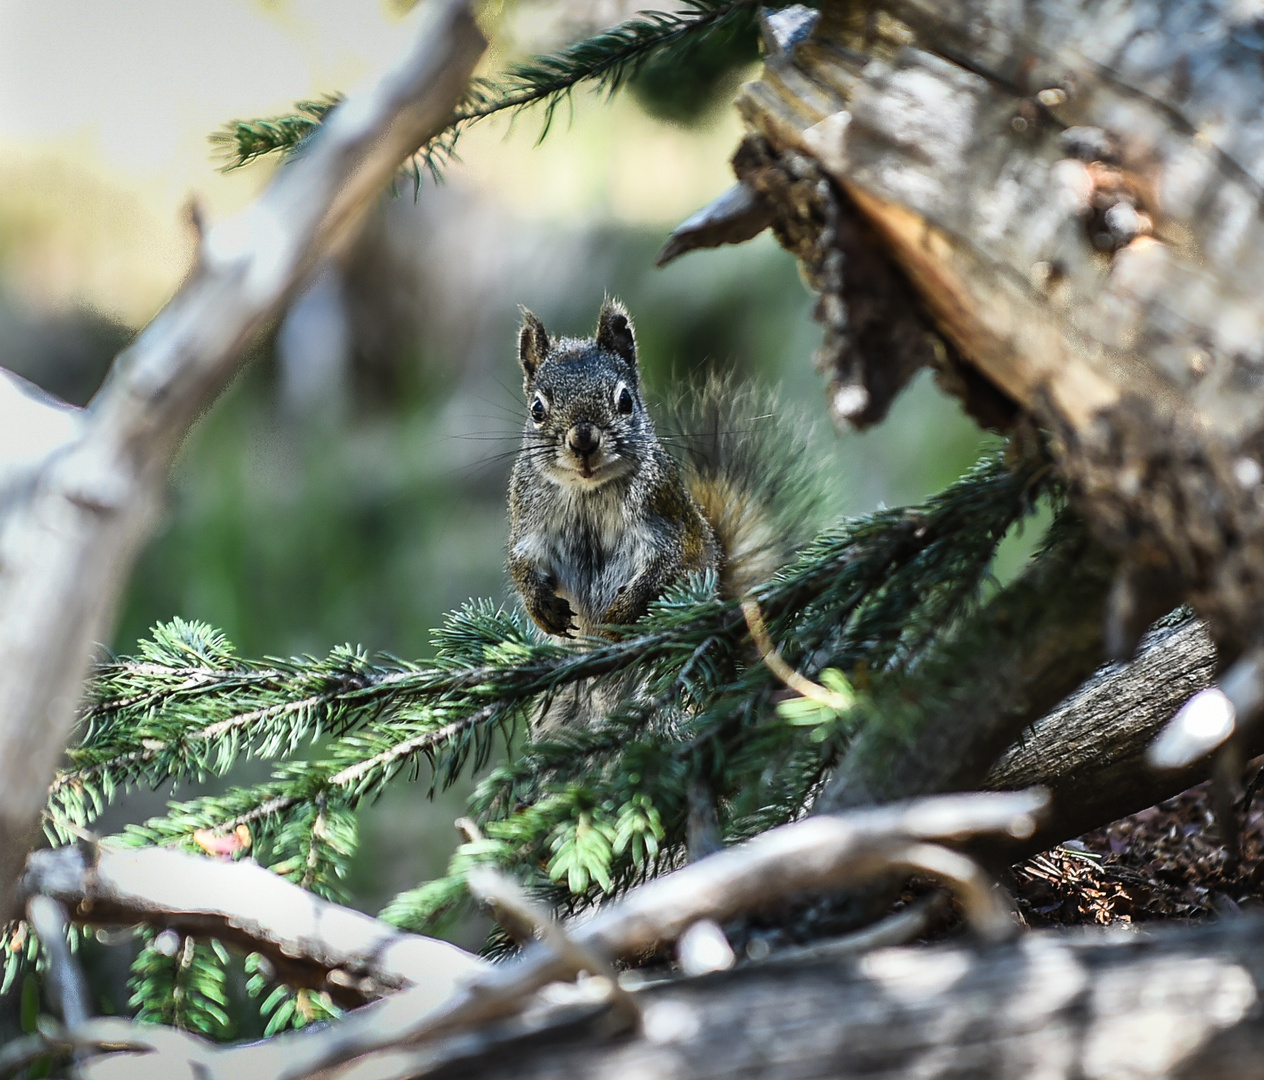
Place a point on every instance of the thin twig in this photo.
(71, 991)
(897, 929)
(772, 658)
(503, 894)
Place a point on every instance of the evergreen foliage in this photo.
(182, 982)
(579, 814)
(660, 44)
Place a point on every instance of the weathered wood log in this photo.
(1073, 190)
(1090, 751)
(1184, 1003)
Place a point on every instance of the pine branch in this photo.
(605, 61)
(182, 983)
(583, 812)
(246, 140)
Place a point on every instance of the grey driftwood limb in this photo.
(1074, 191)
(69, 537)
(309, 941)
(1090, 752)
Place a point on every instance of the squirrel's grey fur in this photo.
(604, 519)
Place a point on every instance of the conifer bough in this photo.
(603, 62)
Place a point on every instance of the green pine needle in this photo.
(580, 813)
(605, 61)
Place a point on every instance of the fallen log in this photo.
(1073, 192)
(1181, 1003)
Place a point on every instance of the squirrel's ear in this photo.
(533, 344)
(615, 333)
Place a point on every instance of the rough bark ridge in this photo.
(1090, 752)
(1074, 191)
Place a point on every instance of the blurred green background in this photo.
(350, 487)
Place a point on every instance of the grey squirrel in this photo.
(604, 519)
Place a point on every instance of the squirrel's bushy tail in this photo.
(753, 470)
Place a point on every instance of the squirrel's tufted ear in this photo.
(615, 333)
(533, 344)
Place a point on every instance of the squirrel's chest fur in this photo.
(591, 542)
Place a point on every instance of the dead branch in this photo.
(67, 543)
(1090, 752)
(68, 986)
(903, 926)
(816, 855)
(309, 941)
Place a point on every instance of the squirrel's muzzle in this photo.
(583, 439)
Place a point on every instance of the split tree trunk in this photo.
(1074, 191)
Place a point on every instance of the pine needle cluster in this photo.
(577, 814)
(604, 62)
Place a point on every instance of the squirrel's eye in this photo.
(624, 400)
(538, 409)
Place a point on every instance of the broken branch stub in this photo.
(1074, 193)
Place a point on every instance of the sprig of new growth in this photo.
(605, 61)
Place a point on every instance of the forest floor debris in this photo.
(1166, 862)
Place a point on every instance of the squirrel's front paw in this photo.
(554, 615)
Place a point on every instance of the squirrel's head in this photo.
(586, 422)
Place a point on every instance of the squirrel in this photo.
(603, 520)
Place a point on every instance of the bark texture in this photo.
(1073, 189)
(1090, 751)
(1090, 1007)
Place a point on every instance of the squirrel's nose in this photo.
(582, 438)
